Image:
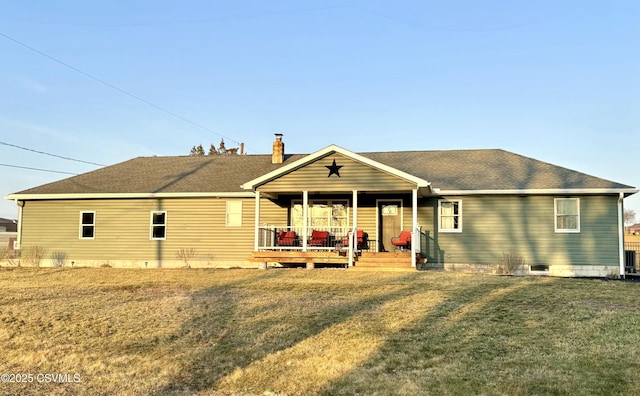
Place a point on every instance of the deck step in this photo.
(390, 261)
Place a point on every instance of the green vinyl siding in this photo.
(353, 176)
(122, 228)
(494, 225)
(367, 222)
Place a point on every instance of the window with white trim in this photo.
(567, 214)
(339, 213)
(87, 225)
(450, 215)
(297, 217)
(234, 213)
(158, 225)
(322, 214)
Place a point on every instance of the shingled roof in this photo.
(490, 169)
(452, 170)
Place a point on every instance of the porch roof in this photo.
(412, 178)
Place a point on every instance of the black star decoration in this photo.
(334, 169)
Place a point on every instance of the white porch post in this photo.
(354, 237)
(256, 236)
(415, 236)
(305, 209)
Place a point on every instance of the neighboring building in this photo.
(8, 225)
(8, 234)
(466, 210)
(634, 229)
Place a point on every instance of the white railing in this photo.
(273, 237)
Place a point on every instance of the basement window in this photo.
(539, 269)
(159, 225)
(87, 225)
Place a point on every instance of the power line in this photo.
(49, 154)
(103, 82)
(38, 169)
(194, 21)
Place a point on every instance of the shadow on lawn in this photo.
(478, 335)
(429, 357)
(501, 340)
(226, 335)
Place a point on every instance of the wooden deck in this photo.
(312, 259)
(384, 261)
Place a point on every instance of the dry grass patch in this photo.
(298, 332)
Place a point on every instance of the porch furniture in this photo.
(362, 240)
(319, 238)
(287, 238)
(402, 241)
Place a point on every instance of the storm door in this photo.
(389, 223)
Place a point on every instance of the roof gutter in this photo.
(539, 191)
(35, 197)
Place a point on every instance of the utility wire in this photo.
(196, 21)
(103, 82)
(38, 169)
(49, 154)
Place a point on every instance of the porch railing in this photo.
(295, 238)
(632, 257)
(272, 237)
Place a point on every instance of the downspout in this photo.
(20, 205)
(621, 233)
(415, 235)
(256, 232)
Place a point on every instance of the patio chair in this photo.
(362, 240)
(287, 238)
(319, 238)
(402, 241)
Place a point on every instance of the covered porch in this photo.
(329, 229)
(334, 205)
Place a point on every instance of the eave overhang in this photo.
(421, 184)
(551, 191)
(36, 197)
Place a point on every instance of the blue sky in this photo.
(103, 82)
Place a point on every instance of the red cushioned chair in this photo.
(402, 241)
(319, 238)
(362, 240)
(287, 238)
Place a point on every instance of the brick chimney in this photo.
(277, 157)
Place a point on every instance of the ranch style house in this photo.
(461, 210)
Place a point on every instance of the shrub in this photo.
(613, 275)
(512, 262)
(58, 258)
(34, 255)
(185, 255)
(14, 257)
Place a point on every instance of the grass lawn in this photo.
(320, 332)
